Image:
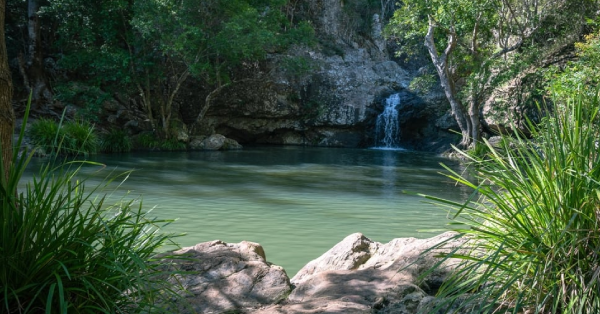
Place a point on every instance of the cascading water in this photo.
(387, 127)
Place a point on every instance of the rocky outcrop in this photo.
(362, 276)
(356, 276)
(326, 95)
(214, 142)
(509, 106)
(333, 105)
(221, 277)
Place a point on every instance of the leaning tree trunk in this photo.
(474, 114)
(7, 115)
(465, 122)
(32, 68)
(207, 104)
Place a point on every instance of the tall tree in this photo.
(7, 116)
(473, 43)
(152, 47)
(32, 62)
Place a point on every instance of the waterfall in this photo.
(387, 128)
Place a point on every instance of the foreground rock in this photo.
(356, 276)
(362, 276)
(228, 277)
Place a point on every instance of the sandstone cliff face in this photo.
(333, 102)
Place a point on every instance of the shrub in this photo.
(116, 141)
(423, 84)
(64, 250)
(87, 98)
(535, 230)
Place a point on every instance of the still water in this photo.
(297, 202)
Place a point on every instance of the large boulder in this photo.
(214, 142)
(220, 277)
(510, 105)
(362, 276)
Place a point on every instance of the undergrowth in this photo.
(534, 229)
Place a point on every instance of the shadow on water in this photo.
(296, 201)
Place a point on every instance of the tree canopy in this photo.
(152, 47)
(477, 45)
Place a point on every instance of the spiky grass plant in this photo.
(58, 138)
(46, 134)
(147, 141)
(534, 230)
(79, 138)
(116, 141)
(172, 145)
(63, 249)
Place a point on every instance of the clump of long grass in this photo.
(172, 145)
(150, 141)
(534, 229)
(46, 134)
(63, 249)
(116, 141)
(79, 137)
(147, 141)
(68, 138)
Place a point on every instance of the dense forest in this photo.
(139, 53)
(167, 62)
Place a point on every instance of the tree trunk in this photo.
(7, 115)
(474, 112)
(475, 123)
(146, 97)
(32, 69)
(465, 123)
(167, 106)
(207, 104)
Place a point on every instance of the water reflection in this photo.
(296, 201)
(389, 173)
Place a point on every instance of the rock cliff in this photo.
(326, 95)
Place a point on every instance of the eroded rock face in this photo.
(508, 107)
(228, 277)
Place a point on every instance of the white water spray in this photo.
(387, 127)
